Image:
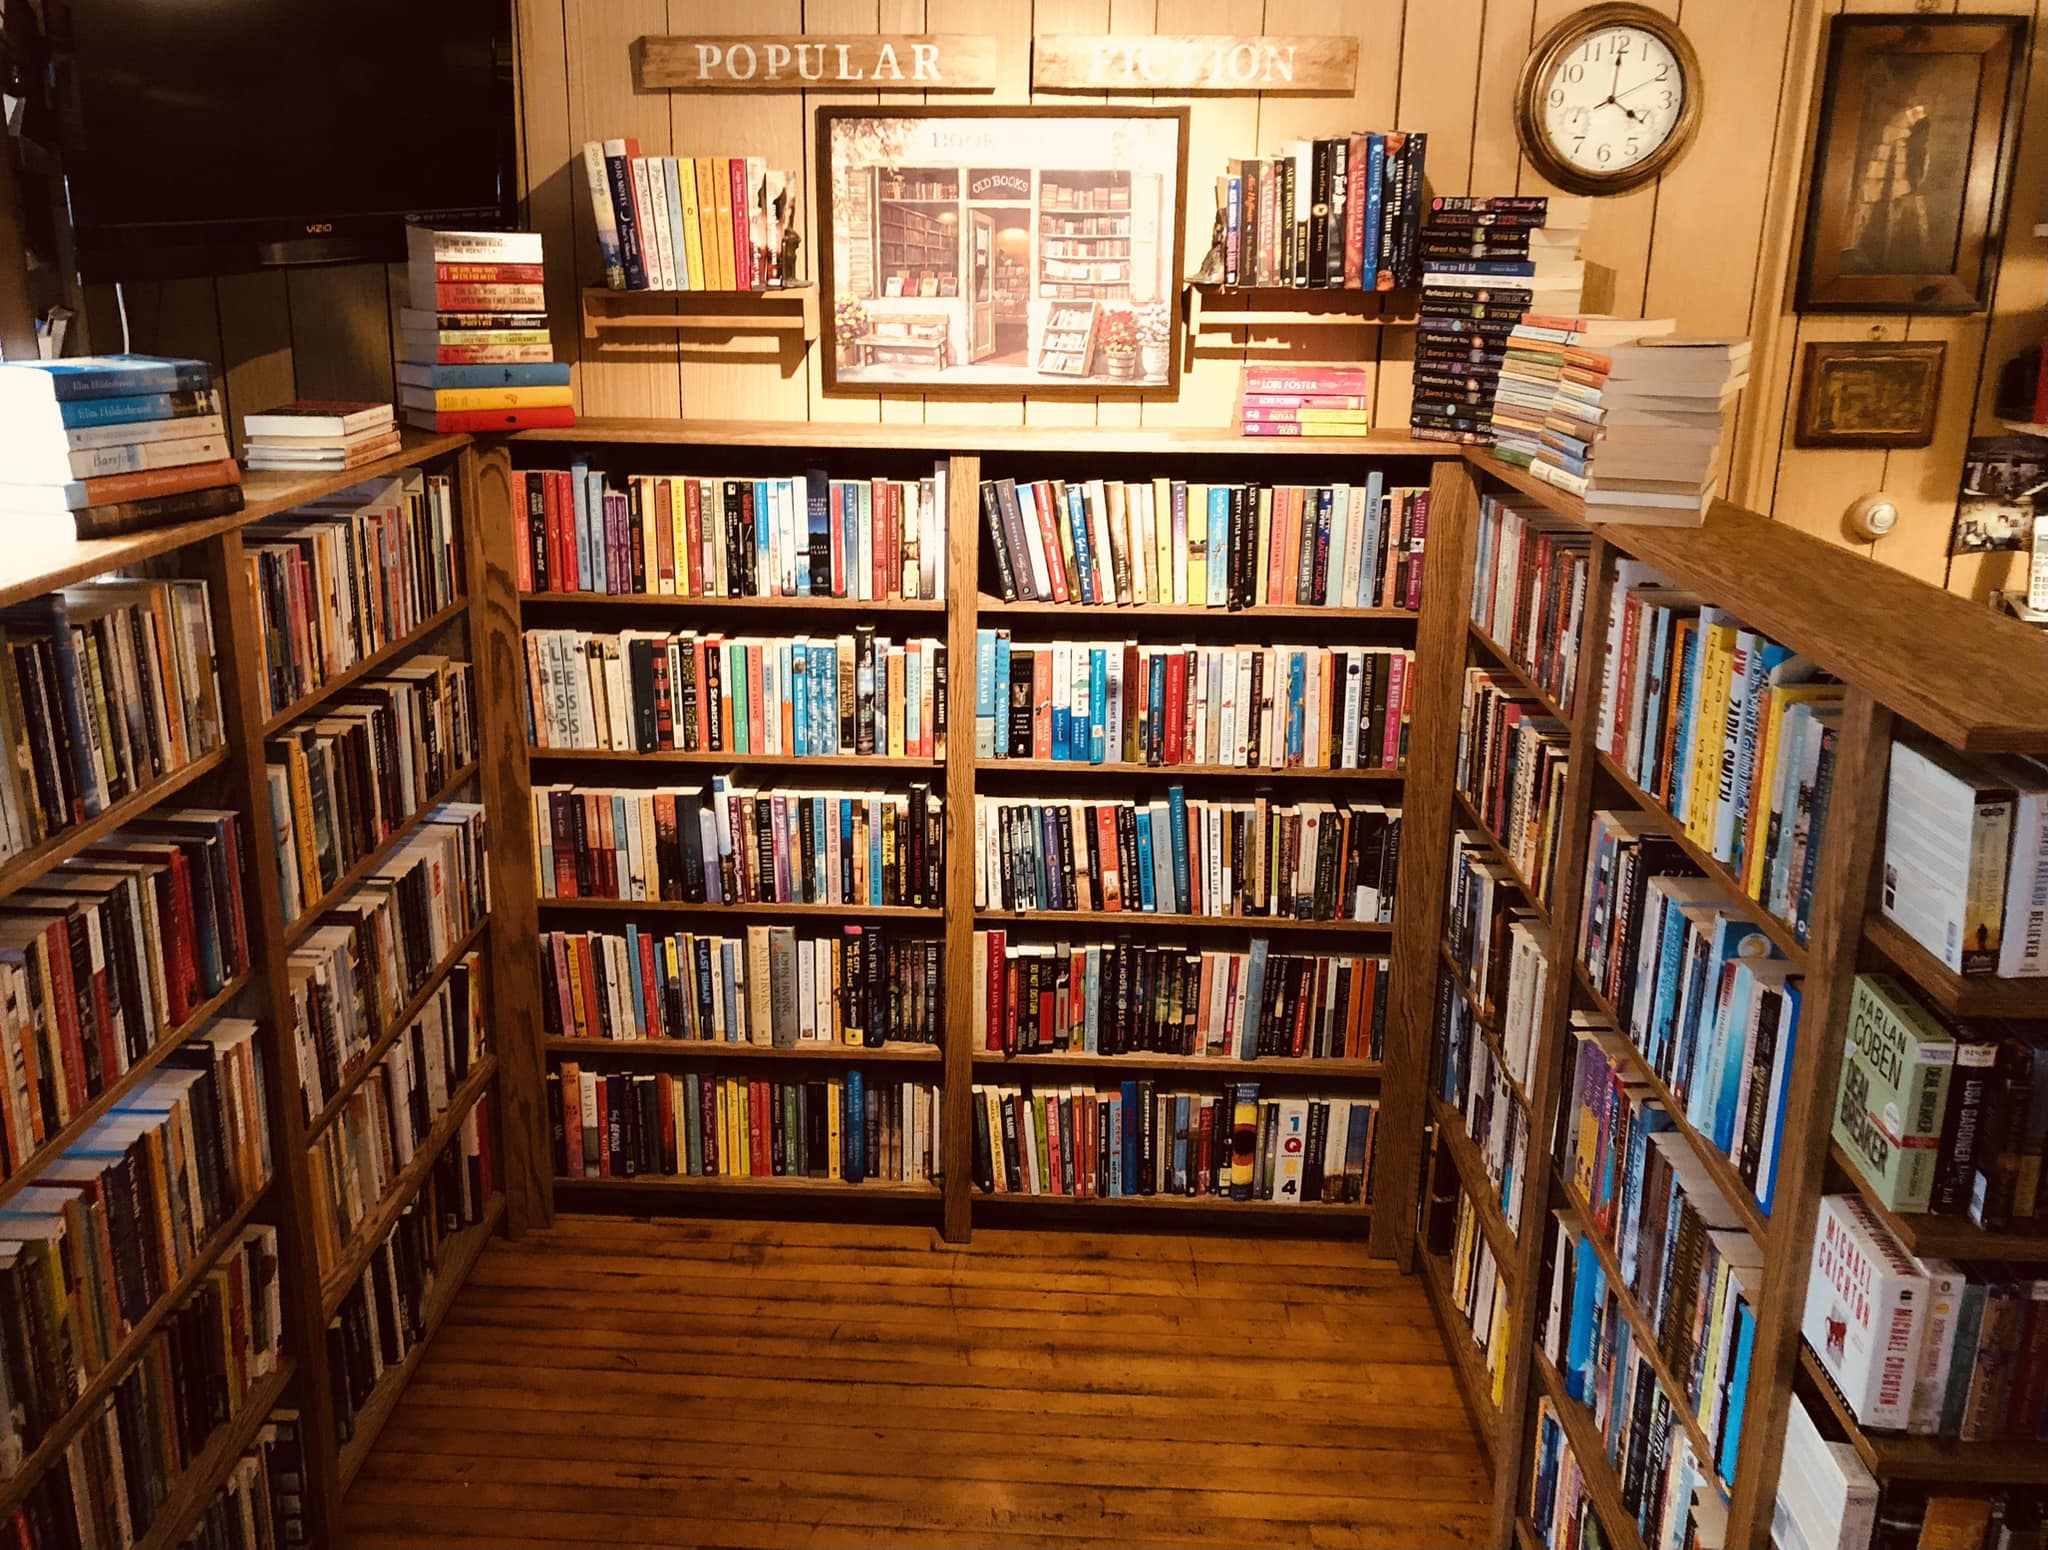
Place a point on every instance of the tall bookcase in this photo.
(232, 777)
(1910, 657)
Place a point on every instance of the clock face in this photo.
(1612, 101)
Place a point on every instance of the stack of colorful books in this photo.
(314, 434)
(110, 444)
(691, 223)
(1485, 262)
(1553, 371)
(474, 351)
(1305, 401)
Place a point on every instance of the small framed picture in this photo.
(1874, 393)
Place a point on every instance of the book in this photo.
(1893, 1094)
(476, 322)
(311, 417)
(1957, 873)
(1865, 1311)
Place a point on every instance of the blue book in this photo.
(1180, 1144)
(1729, 936)
(985, 694)
(534, 374)
(1255, 990)
(1733, 1056)
(913, 698)
(1128, 1105)
(1372, 553)
(1589, 1292)
(1177, 823)
(100, 376)
(875, 853)
(1494, 268)
(1147, 897)
(1098, 705)
(1781, 1085)
(619, 842)
(579, 491)
(1297, 705)
(729, 992)
(1002, 698)
(1738, 1393)
(1659, 663)
(1084, 552)
(1217, 581)
(1687, 669)
(843, 584)
(1114, 1174)
(767, 562)
(1375, 179)
(1670, 978)
(600, 545)
(1078, 692)
(853, 1140)
(800, 698)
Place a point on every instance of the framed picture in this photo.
(1868, 394)
(2005, 492)
(1917, 124)
(963, 246)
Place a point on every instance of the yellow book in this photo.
(1778, 698)
(1162, 542)
(310, 887)
(1716, 658)
(444, 400)
(1179, 540)
(679, 535)
(575, 963)
(721, 201)
(693, 236)
(895, 692)
(758, 1021)
(645, 487)
(835, 1101)
(707, 221)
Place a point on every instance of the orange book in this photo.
(728, 670)
(757, 735)
(786, 723)
(721, 194)
(1041, 704)
(109, 488)
(707, 224)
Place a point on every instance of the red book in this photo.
(837, 525)
(664, 534)
(665, 1092)
(110, 488)
(522, 482)
(489, 297)
(878, 548)
(693, 538)
(1041, 703)
(604, 1128)
(998, 942)
(761, 1165)
(562, 518)
(742, 235)
(489, 274)
(1201, 1172)
(1354, 213)
(572, 1120)
(1176, 709)
(1053, 1150)
(470, 421)
(1105, 838)
(565, 1013)
(1012, 1001)
(1048, 531)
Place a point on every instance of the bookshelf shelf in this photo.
(310, 918)
(60, 847)
(790, 310)
(1781, 934)
(1959, 995)
(1172, 772)
(1228, 1069)
(876, 1189)
(974, 440)
(1252, 923)
(1526, 1536)
(677, 909)
(53, 1147)
(1479, 1185)
(459, 1257)
(273, 494)
(1896, 1456)
(370, 665)
(1588, 1448)
(722, 759)
(101, 1384)
(652, 601)
(1503, 661)
(1929, 1236)
(399, 1022)
(370, 1231)
(1468, 1363)
(686, 1050)
(1530, 895)
(194, 1488)
(1216, 1205)
(1083, 613)
(1213, 307)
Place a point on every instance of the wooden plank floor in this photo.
(774, 1384)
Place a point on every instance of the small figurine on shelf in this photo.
(1117, 336)
(1213, 266)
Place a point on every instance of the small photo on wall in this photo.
(2005, 487)
(983, 252)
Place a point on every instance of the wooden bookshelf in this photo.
(1254, 925)
(1959, 995)
(1946, 1460)
(1468, 1362)
(1481, 1187)
(179, 1512)
(1601, 1485)
(1225, 1068)
(1929, 1236)
(714, 1051)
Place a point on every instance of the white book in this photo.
(1865, 1312)
(661, 237)
(1291, 1142)
(2023, 944)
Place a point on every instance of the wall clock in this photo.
(1608, 99)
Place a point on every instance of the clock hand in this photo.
(1646, 81)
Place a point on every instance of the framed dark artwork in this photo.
(987, 252)
(1875, 393)
(1917, 124)
(2005, 489)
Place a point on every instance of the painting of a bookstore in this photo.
(998, 251)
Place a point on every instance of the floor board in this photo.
(775, 1385)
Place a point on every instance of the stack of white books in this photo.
(314, 434)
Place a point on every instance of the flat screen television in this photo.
(215, 136)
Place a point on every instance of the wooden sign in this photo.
(924, 61)
(1194, 62)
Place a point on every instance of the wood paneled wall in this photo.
(1711, 243)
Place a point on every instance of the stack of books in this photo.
(1635, 425)
(311, 435)
(1341, 213)
(1485, 262)
(1305, 401)
(111, 444)
(1549, 400)
(690, 223)
(474, 351)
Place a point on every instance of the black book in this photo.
(1148, 1138)
(1318, 233)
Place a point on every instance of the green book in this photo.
(1895, 1074)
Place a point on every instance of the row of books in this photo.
(1171, 856)
(1466, 1073)
(320, 435)
(1488, 261)
(1692, 1274)
(1479, 1292)
(1297, 400)
(1729, 731)
(1529, 591)
(105, 957)
(109, 1228)
(355, 1158)
(1115, 998)
(1952, 1121)
(105, 444)
(380, 947)
(1925, 1346)
(1671, 1495)
(339, 580)
(1232, 546)
(1245, 707)
(690, 223)
(197, 1370)
(1512, 757)
(772, 988)
(107, 688)
(1138, 1139)
(847, 1128)
(741, 846)
(1694, 988)
(383, 1314)
(475, 300)
(648, 691)
(1501, 947)
(261, 1505)
(342, 782)
(1966, 858)
(874, 540)
(1343, 211)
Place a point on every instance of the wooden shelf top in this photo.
(804, 435)
(1229, 1069)
(1172, 772)
(815, 1053)
(1468, 1362)
(1252, 923)
(651, 1184)
(1480, 1186)
(1959, 995)
(26, 869)
(1975, 679)
(1928, 1236)
(695, 605)
(1896, 1456)
(1195, 1204)
(992, 606)
(725, 759)
(742, 910)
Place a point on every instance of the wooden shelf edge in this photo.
(356, 672)
(1479, 1185)
(1530, 896)
(25, 869)
(1189, 613)
(465, 1247)
(205, 1475)
(800, 603)
(309, 919)
(680, 907)
(820, 1052)
(1591, 1454)
(1468, 1363)
(726, 759)
(1959, 995)
(1216, 1204)
(1230, 1068)
(1252, 923)
(1505, 661)
(1181, 771)
(1930, 1236)
(1896, 1456)
(721, 1184)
